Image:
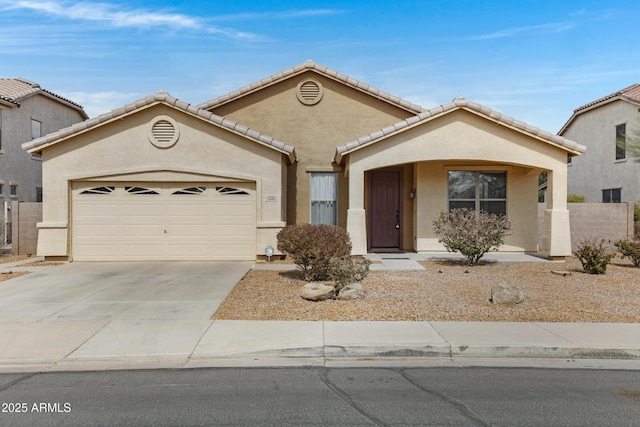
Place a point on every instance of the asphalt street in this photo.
(324, 396)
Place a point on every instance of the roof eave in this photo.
(571, 147)
(8, 103)
(580, 111)
(54, 97)
(39, 144)
(320, 70)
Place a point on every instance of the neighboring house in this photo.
(606, 172)
(163, 179)
(27, 112)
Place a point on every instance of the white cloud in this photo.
(96, 103)
(116, 16)
(105, 12)
(550, 28)
(303, 13)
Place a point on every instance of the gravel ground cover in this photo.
(13, 258)
(448, 290)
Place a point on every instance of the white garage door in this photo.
(168, 221)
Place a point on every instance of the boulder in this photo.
(317, 291)
(352, 291)
(507, 295)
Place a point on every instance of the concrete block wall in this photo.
(609, 221)
(25, 216)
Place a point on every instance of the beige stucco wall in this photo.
(342, 115)
(463, 140)
(597, 169)
(121, 151)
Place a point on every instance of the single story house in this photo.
(161, 179)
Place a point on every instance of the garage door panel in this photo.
(104, 231)
(140, 221)
(98, 251)
(141, 251)
(236, 231)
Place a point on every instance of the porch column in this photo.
(356, 216)
(556, 237)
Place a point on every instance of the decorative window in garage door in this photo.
(139, 190)
(230, 190)
(99, 190)
(191, 190)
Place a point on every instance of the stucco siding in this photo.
(462, 140)
(18, 167)
(122, 151)
(316, 130)
(597, 169)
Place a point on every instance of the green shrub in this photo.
(344, 271)
(593, 255)
(575, 198)
(313, 246)
(630, 249)
(469, 232)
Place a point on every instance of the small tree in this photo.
(313, 246)
(469, 232)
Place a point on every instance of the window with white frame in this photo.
(479, 190)
(13, 190)
(324, 198)
(36, 129)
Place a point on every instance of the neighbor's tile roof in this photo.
(15, 90)
(320, 69)
(160, 97)
(458, 103)
(630, 93)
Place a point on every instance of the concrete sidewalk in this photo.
(150, 344)
(81, 322)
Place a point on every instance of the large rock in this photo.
(352, 291)
(317, 291)
(507, 295)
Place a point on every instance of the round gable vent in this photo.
(164, 132)
(309, 92)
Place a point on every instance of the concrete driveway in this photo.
(79, 314)
(120, 291)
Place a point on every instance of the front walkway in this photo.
(410, 260)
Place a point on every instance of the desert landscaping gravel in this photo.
(448, 290)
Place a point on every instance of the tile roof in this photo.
(160, 97)
(320, 69)
(15, 90)
(630, 93)
(457, 103)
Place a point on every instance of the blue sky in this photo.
(533, 60)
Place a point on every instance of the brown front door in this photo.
(385, 211)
